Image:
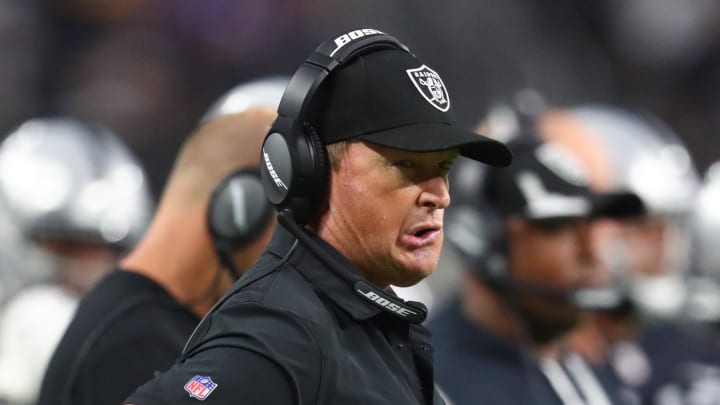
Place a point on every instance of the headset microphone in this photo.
(597, 298)
(411, 311)
(593, 298)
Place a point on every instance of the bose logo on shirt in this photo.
(345, 39)
(385, 303)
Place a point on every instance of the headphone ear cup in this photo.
(305, 199)
(479, 236)
(239, 211)
(494, 266)
(491, 264)
(294, 169)
(320, 165)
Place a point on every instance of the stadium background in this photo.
(149, 69)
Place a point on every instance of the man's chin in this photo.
(408, 277)
(545, 327)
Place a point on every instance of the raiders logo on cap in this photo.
(430, 86)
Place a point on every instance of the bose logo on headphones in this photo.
(345, 39)
(238, 200)
(278, 182)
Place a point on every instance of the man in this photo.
(705, 228)
(80, 199)
(524, 235)
(651, 341)
(314, 321)
(137, 319)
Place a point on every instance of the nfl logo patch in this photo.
(200, 387)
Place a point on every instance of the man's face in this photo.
(559, 257)
(636, 245)
(386, 211)
(648, 257)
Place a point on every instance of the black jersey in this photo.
(124, 330)
(293, 331)
(475, 366)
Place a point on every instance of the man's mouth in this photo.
(421, 236)
(421, 233)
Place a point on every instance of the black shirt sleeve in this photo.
(115, 374)
(250, 354)
(235, 377)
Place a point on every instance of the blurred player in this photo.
(80, 198)
(212, 222)
(649, 341)
(524, 234)
(704, 283)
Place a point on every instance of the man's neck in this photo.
(183, 263)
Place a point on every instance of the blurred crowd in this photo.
(104, 92)
(148, 69)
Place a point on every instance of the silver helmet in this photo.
(705, 222)
(265, 92)
(644, 156)
(66, 179)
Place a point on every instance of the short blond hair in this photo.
(335, 153)
(216, 149)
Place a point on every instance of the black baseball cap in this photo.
(546, 183)
(391, 98)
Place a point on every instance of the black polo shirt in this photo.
(684, 362)
(472, 364)
(124, 330)
(475, 366)
(293, 331)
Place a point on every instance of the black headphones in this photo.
(485, 247)
(237, 214)
(474, 227)
(294, 166)
(474, 224)
(494, 267)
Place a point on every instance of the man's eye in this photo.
(406, 164)
(445, 166)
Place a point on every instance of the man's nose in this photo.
(436, 193)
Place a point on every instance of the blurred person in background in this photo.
(264, 92)
(80, 199)
(705, 262)
(531, 275)
(22, 40)
(132, 80)
(650, 341)
(661, 55)
(212, 222)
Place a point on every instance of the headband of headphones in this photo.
(294, 169)
(327, 57)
